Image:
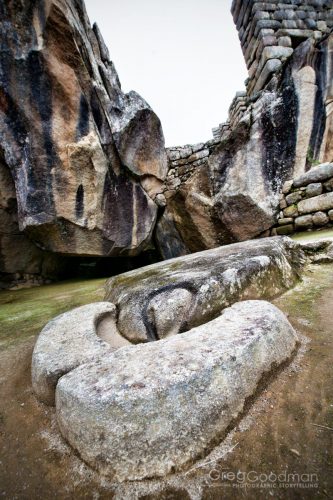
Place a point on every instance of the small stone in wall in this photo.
(291, 211)
(320, 203)
(287, 187)
(160, 200)
(293, 198)
(313, 189)
(330, 215)
(285, 221)
(320, 219)
(283, 230)
(173, 155)
(316, 174)
(329, 185)
(304, 222)
(285, 41)
(186, 151)
(283, 204)
(197, 147)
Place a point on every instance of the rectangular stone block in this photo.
(317, 174)
(304, 222)
(285, 222)
(283, 230)
(317, 204)
(293, 198)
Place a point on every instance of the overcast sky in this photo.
(182, 56)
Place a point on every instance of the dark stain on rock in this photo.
(279, 139)
(41, 13)
(118, 217)
(41, 93)
(96, 111)
(12, 118)
(83, 123)
(79, 202)
(40, 197)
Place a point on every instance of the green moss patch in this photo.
(23, 313)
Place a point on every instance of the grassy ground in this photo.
(23, 313)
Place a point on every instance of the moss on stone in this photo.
(23, 313)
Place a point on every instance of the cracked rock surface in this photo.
(147, 410)
(179, 294)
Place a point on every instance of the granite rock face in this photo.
(148, 410)
(273, 135)
(86, 159)
(170, 297)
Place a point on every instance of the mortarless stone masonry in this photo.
(269, 32)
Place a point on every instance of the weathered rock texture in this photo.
(88, 162)
(86, 159)
(307, 201)
(145, 410)
(273, 135)
(71, 339)
(319, 251)
(170, 297)
(148, 410)
(21, 261)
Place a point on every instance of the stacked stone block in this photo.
(183, 160)
(220, 132)
(270, 31)
(306, 203)
(237, 109)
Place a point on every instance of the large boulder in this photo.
(281, 132)
(87, 160)
(151, 409)
(170, 297)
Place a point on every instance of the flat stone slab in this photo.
(316, 174)
(173, 296)
(147, 410)
(316, 204)
(73, 338)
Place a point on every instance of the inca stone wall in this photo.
(306, 203)
(183, 161)
(270, 31)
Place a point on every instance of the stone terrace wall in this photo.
(270, 31)
(184, 160)
(307, 202)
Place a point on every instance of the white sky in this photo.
(182, 56)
